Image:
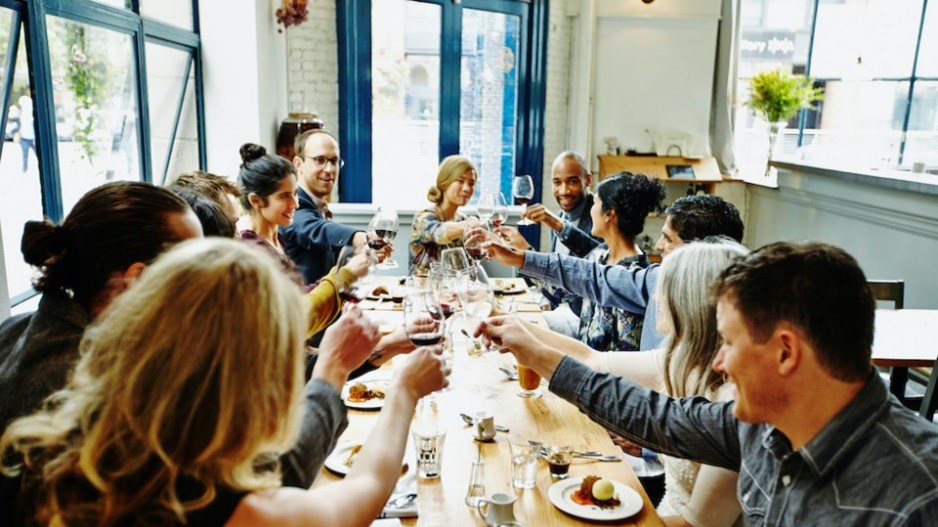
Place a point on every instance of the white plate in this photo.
(335, 463)
(560, 495)
(371, 404)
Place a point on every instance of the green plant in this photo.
(777, 96)
(86, 77)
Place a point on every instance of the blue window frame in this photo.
(526, 48)
(35, 17)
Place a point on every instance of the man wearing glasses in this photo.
(313, 240)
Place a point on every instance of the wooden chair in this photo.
(930, 400)
(893, 291)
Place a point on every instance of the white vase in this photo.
(774, 129)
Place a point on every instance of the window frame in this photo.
(31, 17)
(353, 23)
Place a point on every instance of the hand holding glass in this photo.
(381, 231)
(522, 189)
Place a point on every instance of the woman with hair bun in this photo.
(105, 243)
(187, 388)
(268, 193)
(442, 226)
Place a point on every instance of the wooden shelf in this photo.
(706, 171)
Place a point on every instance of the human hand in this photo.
(627, 446)
(345, 346)
(540, 214)
(359, 265)
(423, 373)
(513, 237)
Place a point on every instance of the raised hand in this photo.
(423, 373)
(540, 214)
(345, 346)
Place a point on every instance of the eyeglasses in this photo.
(322, 161)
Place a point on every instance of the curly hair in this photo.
(698, 216)
(632, 197)
(814, 286)
(171, 399)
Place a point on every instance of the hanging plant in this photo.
(292, 13)
(87, 80)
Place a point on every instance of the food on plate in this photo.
(504, 285)
(381, 291)
(351, 455)
(596, 491)
(360, 393)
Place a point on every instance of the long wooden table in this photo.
(477, 385)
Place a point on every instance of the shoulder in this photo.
(282, 506)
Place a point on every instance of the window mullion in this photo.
(908, 104)
(9, 69)
(143, 123)
(803, 114)
(450, 71)
(175, 127)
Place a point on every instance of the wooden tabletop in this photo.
(477, 385)
(905, 337)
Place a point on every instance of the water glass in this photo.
(524, 453)
(429, 447)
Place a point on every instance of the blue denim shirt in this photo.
(875, 463)
(606, 285)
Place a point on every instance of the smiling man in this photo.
(571, 226)
(314, 240)
(816, 437)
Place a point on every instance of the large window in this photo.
(424, 79)
(875, 60)
(99, 91)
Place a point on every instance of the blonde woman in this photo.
(442, 226)
(695, 494)
(188, 387)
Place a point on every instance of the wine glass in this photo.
(501, 211)
(423, 317)
(475, 293)
(455, 259)
(381, 231)
(522, 188)
(474, 247)
(486, 206)
(355, 291)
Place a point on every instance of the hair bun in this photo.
(250, 152)
(41, 241)
(434, 195)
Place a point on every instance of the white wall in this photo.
(244, 78)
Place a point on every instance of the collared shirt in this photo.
(313, 241)
(874, 463)
(606, 285)
(575, 238)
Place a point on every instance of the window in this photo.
(424, 79)
(106, 95)
(875, 60)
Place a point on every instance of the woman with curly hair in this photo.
(188, 387)
(621, 204)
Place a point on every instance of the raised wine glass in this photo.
(522, 189)
(423, 317)
(500, 216)
(455, 259)
(381, 231)
(356, 291)
(486, 206)
(474, 248)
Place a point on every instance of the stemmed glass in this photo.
(474, 248)
(522, 188)
(486, 206)
(357, 290)
(455, 259)
(475, 293)
(381, 231)
(423, 316)
(501, 211)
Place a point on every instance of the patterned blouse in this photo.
(428, 239)
(605, 328)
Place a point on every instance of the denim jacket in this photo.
(874, 463)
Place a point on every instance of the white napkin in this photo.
(394, 522)
(407, 511)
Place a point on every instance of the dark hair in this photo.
(299, 144)
(209, 185)
(215, 221)
(698, 216)
(814, 286)
(632, 197)
(261, 173)
(110, 228)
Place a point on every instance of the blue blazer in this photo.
(312, 241)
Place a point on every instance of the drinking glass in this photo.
(524, 453)
(558, 461)
(500, 216)
(429, 447)
(455, 259)
(475, 293)
(381, 231)
(357, 290)
(423, 316)
(474, 248)
(486, 206)
(522, 189)
(530, 382)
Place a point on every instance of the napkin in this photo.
(407, 511)
(386, 523)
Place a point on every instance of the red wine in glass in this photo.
(425, 339)
(477, 253)
(522, 201)
(377, 243)
(349, 297)
(444, 311)
(498, 219)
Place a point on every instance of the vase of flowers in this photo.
(776, 96)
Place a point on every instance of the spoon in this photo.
(498, 428)
(510, 373)
(402, 501)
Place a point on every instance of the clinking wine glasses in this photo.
(423, 316)
(381, 231)
(522, 189)
(354, 292)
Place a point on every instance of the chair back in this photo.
(889, 291)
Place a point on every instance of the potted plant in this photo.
(776, 96)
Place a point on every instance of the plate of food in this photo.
(379, 292)
(507, 287)
(595, 498)
(341, 459)
(365, 395)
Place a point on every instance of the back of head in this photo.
(816, 287)
(110, 228)
(261, 173)
(698, 216)
(451, 169)
(632, 197)
(209, 185)
(195, 373)
(215, 221)
(686, 277)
